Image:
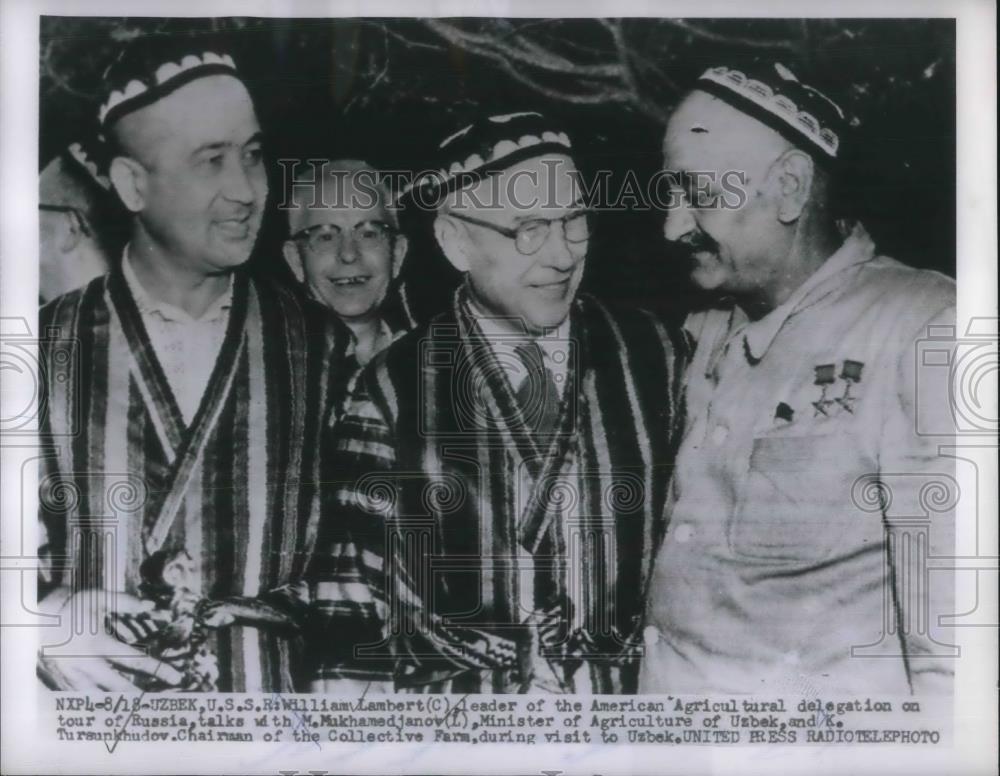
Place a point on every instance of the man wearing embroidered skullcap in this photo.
(185, 401)
(800, 548)
(511, 458)
(74, 215)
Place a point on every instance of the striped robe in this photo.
(467, 554)
(238, 488)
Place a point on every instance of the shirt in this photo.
(353, 365)
(186, 347)
(384, 337)
(554, 345)
(555, 352)
(784, 566)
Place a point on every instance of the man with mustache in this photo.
(800, 541)
(191, 422)
(504, 467)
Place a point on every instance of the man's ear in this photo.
(70, 233)
(399, 249)
(794, 170)
(129, 179)
(294, 260)
(452, 244)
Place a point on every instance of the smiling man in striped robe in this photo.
(189, 425)
(503, 469)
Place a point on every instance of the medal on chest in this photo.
(836, 391)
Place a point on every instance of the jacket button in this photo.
(684, 533)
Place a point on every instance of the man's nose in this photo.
(557, 253)
(240, 185)
(348, 253)
(679, 221)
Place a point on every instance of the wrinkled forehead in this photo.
(544, 183)
(706, 133)
(341, 198)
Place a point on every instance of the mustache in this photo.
(696, 242)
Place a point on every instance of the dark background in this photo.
(388, 90)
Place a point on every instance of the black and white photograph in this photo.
(640, 364)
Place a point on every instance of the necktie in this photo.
(539, 400)
(537, 395)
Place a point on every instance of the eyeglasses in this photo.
(530, 236)
(327, 238)
(76, 216)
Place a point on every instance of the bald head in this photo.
(341, 185)
(706, 133)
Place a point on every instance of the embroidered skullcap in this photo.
(773, 95)
(489, 145)
(150, 67)
(85, 158)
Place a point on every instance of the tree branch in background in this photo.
(633, 63)
(529, 54)
(528, 61)
(732, 40)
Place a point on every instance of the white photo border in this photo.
(25, 743)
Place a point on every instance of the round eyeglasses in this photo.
(327, 238)
(530, 236)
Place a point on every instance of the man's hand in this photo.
(244, 611)
(88, 656)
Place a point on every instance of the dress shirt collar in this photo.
(383, 339)
(554, 343)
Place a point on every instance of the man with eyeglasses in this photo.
(72, 250)
(504, 468)
(188, 436)
(346, 249)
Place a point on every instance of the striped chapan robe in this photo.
(238, 488)
(466, 553)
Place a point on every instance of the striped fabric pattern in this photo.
(240, 488)
(465, 553)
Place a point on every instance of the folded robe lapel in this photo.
(242, 483)
(542, 455)
(620, 421)
(186, 444)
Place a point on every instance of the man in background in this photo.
(73, 223)
(346, 249)
(189, 436)
(792, 562)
